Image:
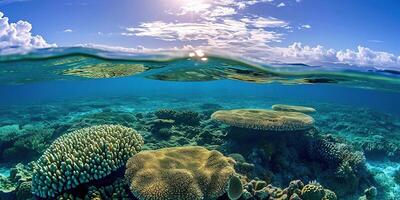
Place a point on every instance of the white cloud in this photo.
(18, 36)
(223, 33)
(281, 5)
(366, 57)
(262, 22)
(68, 30)
(305, 26)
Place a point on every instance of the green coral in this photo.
(235, 188)
(329, 195)
(24, 191)
(83, 155)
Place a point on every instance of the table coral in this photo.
(290, 108)
(262, 119)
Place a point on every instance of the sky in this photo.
(357, 32)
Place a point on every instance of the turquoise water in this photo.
(49, 93)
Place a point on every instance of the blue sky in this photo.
(359, 32)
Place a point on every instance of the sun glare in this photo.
(194, 6)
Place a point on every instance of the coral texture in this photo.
(179, 173)
(264, 119)
(312, 191)
(106, 70)
(83, 155)
(235, 188)
(180, 117)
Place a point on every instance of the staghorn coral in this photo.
(83, 155)
(290, 108)
(268, 120)
(340, 156)
(177, 173)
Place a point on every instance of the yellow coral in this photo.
(312, 191)
(83, 155)
(264, 119)
(179, 173)
(290, 108)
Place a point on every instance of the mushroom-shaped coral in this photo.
(179, 173)
(290, 108)
(83, 155)
(264, 119)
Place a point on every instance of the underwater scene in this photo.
(81, 123)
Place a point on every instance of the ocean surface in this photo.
(352, 148)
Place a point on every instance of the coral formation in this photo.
(17, 184)
(106, 70)
(260, 190)
(180, 117)
(347, 164)
(312, 191)
(265, 119)
(235, 188)
(83, 155)
(290, 108)
(190, 172)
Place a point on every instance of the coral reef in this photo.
(290, 108)
(106, 70)
(265, 119)
(17, 184)
(258, 189)
(312, 191)
(190, 172)
(180, 117)
(83, 155)
(347, 165)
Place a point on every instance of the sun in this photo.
(194, 6)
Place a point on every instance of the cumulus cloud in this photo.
(18, 36)
(366, 57)
(221, 28)
(218, 24)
